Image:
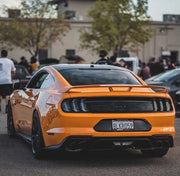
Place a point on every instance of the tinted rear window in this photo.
(21, 73)
(92, 76)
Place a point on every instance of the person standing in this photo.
(113, 61)
(7, 72)
(171, 65)
(34, 65)
(156, 67)
(24, 63)
(152, 66)
(104, 58)
(122, 63)
(145, 72)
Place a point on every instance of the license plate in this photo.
(122, 125)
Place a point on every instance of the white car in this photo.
(132, 63)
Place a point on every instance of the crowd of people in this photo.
(146, 70)
(31, 66)
(155, 67)
(104, 59)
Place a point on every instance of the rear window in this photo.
(97, 76)
(21, 73)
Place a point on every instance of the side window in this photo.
(37, 81)
(47, 82)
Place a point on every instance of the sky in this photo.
(156, 7)
(159, 7)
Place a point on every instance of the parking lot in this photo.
(16, 160)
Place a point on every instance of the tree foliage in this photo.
(117, 24)
(36, 27)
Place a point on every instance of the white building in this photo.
(166, 37)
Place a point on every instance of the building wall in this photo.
(81, 7)
(72, 41)
(167, 40)
(166, 36)
(17, 53)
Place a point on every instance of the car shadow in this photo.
(18, 152)
(102, 158)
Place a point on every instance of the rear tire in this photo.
(37, 138)
(155, 152)
(10, 123)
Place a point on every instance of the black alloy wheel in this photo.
(155, 152)
(10, 122)
(37, 138)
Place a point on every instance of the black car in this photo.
(170, 80)
(21, 78)
(178, 103)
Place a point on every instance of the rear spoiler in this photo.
(117, 88)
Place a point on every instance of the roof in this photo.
(86, 66)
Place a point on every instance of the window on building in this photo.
(43, 54)
(70, 52)
(162, 31)
(69, 14)
(174, 57)
(14, 13)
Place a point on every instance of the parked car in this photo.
(178, 103)
(77, 107)
(170, 80)
(132, 63)
(21, 78)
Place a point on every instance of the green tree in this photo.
(117, 24)
(34, 29)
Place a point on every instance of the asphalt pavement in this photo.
(16, 160)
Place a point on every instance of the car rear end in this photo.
(105, 107)
(110, 116)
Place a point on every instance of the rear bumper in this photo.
(78, 143)
(58, 130)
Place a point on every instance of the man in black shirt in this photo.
(156, 67)
(104, 58)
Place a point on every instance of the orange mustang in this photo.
(89, 107)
